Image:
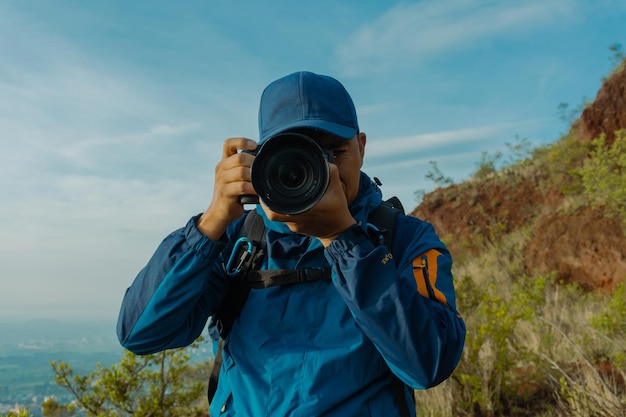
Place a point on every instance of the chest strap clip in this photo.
(242, 251)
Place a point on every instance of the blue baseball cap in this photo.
(307, 100)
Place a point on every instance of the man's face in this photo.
(348, 156)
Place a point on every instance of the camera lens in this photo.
(290, 173)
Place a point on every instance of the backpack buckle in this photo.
(242, 252)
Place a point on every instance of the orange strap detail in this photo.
(425, 274)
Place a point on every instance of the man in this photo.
(320, 348)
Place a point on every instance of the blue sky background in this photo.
(113, 113)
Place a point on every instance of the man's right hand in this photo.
(232, 180)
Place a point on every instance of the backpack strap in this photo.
(271, 278)
(215, 372)
(401, 389)
(247, 254)
(383, 219)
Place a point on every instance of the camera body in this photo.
(290, 173)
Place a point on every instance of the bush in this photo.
(157, 385)
(603, 174)
(21, 412)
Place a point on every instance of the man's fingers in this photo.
(234, 145)
(238, 160)
(235, 173)
(234, 190)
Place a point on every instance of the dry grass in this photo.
(533, 346)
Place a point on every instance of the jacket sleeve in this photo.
(169, 302)
(404, 302)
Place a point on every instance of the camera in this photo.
(290, 173)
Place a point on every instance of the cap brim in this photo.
(342, 131)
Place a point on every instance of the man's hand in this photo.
(327, 219)
(232, 180)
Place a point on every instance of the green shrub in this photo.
(489, 384)
(22, 412)
(157, 385)
(561, 160)
(487, 165)
(435, 175)
(612, 319)
(603, 175)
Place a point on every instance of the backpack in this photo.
(243, 265)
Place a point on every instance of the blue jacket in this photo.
(313, 349)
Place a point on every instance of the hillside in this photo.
(539, 246)
(585, 245)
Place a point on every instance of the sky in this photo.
(113, 113)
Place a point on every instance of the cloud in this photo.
(412, 33)
(395, 150)
(401, 145)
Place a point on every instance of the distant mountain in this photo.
(27, 348)
(57, 335)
